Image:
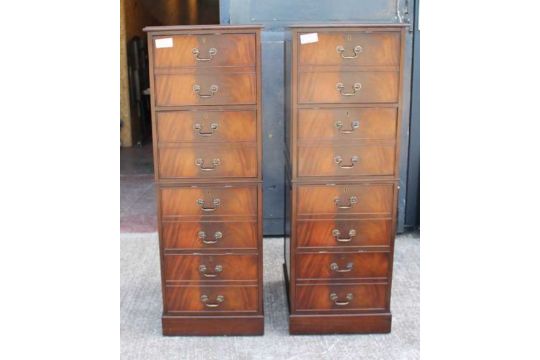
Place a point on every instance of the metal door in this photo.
(275, 15)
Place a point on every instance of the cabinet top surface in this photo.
(201, 27)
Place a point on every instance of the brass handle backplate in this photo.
(217, 235)
(354, 125)
(336, 233)
(353, 200)
(335, 299)
(215, 163)
(335, 267)
(219, 299)
(213, 90)
(204, 271)
(339, 161)
(341, 50)
(215, 202)
(198, 127)
(211, 52)
(356, 87)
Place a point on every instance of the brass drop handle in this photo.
(215, 202)
(335, 267)
(356, 87)
(336, 233)
(211, 53)
(341, 50)
(335, 299)
(215, 163)
(339, 161)
(198, 127)
(352, 201)
(217, 235)
(354, 125)
(213, 89)
(217, 269)
(219, 299)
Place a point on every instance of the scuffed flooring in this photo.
(141, 314)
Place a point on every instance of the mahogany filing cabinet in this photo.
(343, 91)
(206, 121)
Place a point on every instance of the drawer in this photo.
(207, 201)
(357, 199)
(346, 160)
(211, 298)
(210, 267)
(206, 126)
(351, 233)
(208, 161)
(205, 50)
(342, 265)
(346, 124)
(209, 235)
(205, 89)
(348, 87)
(352, 48)
(341, 297)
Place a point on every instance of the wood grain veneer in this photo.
(212, 267)
(206, 124)
(345, 125)
(370, 297)
(344, 99)
(209, 235)
(230, 50)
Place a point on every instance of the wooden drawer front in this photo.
(180, 89)
(338, 48)
(341, 297)
(206, 201)
(206, 126)
(210, 267)
(331, 233)
(208, 161)
(228, 50)
(347, 124)
(342, 265)
(211, 298)
(343, 160)
(375, 87)
(345, 199)
(209, 235)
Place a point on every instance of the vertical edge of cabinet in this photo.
(153, 104)
(292, 252)
(294, 104)
(397, 165)
(287, 237)
(287, 102)
(259, 103)
(260, 247)
(400, 101)
(155, 161)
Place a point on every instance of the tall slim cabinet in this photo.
(344, 96)
(206, 121)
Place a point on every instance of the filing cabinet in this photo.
(206, 117)
(343, 91)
